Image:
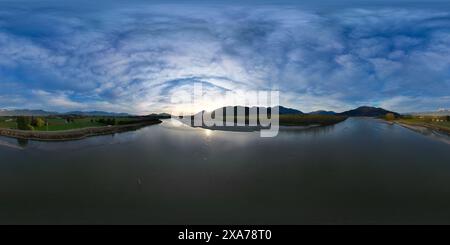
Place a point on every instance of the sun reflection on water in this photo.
(208, 132)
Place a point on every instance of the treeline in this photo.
(29, 123)
(33, 122)
(429, 119)
(114, 121)
(134, 120)
(107, 121)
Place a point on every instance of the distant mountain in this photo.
(322, 112)
(97, 113)
(164, 114)
(26, 112)
(281, 109)
(367, 111)
(285, 111)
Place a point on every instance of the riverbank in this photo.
(427, 130)
(423, 127)
(74, 134)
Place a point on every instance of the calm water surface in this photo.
(361, 171)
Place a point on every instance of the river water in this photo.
(360, 171)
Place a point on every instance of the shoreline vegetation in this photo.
(300, 121)
(62, 127)
(71, 129)
(424, 127)
(421, 123)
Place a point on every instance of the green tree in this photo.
(24, 123)
(390, 116)
(101, 120)
(112, 121)
(109, 121)
(38, 122)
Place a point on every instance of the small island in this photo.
(70, 127)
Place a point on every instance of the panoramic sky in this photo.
(135, 56)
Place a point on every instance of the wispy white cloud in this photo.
(134, 58)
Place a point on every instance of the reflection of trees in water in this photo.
(322, 130)
(315, 130)
(22, 142)
(311, 130)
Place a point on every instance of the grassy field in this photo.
(60, 123)
(7, 122)
(437, 123)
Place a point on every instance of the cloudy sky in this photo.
(134, 56)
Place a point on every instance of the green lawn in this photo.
(7, 122)
(55, 124)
